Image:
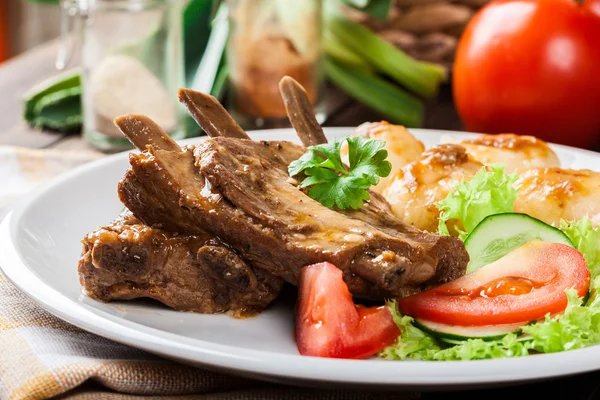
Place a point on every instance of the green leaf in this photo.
(412, 343)
(577, 327)
(478, 349)
(586, 238)
(489, 192)
(368, 158)
(332, 190)
(331, 183)
(323, 156)
(416, 344)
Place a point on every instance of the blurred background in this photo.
(25, 25)
(359, 61)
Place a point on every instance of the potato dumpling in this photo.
(418, 186)
(552, 194)
(401, 145)
(516, 153)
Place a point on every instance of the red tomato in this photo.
(522, 286)
(4, 39)
(593, 6)
(328, 324)
(531, 67)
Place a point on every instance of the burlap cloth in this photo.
(43, 357)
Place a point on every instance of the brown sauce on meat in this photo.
(243, 314)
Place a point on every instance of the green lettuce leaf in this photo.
(412, 343)
(478, 349)
(577, 327)
(490, 192)
(415, 344)
(586, 239)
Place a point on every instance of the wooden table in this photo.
(20, 74)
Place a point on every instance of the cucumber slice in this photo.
(451, 333)
(455, 342)
(65, 81)
(60, 113)
(499, 234)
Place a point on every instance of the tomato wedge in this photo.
(522, 286)
(328, 324)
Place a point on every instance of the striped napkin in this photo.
(44, 357)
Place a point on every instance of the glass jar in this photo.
(131, 62)
(268, 40)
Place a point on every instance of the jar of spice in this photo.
(268, 40)
(131, 62)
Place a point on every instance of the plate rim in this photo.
(418, 374)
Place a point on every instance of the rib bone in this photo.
(210, 114)
(300, 112)
(142, 131)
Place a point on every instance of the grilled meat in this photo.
(239, 190)
(417, 187)
(369, 244)
(127, 260)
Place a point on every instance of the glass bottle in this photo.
(131, 60)
(268, 40)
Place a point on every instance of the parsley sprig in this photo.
(331, 182)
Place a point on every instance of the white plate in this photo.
(40, 246)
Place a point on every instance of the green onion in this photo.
(220, 82)
(335, 48)
(421, 78)
(394, 103)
